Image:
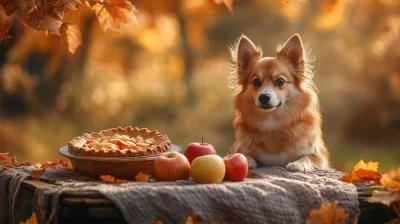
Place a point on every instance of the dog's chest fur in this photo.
(273, 147)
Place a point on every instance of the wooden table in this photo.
(92, 207)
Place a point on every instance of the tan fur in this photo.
(289, 135)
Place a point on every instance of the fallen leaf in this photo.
(31, 220)
(9, 162)
(391, 179)
(384, 197)
(363, 172)
(388, 182)
(112, 14)
(55, 163)
(108, 178)
(350, 178)
(394, 174)
(68, 164)
(194, 219)
(158, 222)
(25, 164)
(84, 178)
(5, 156)
(227, 3)
(368, 174)
(111, 179)
(327, 214)
(35, 174)
(120, 181)
(72, 36)
(142, 177)
(373, 166)
(253, 175)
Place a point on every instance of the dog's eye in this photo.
(256, 82)
(280, 82)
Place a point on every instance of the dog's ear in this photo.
(245, 54)
(293, 50)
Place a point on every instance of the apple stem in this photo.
(202, 141)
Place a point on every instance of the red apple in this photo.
(236, 167)
(171, 166)
(196, 149)
(208, 169)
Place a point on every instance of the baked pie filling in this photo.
(118, 142)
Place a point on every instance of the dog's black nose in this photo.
(264, 98)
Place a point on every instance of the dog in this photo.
(277, 120)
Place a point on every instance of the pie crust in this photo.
(105, 146)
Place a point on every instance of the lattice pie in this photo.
(118, 142)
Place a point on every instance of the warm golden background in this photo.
(170, 72)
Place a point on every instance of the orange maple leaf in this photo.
(35, 174)
(25, 164)
(72, 36)
(142, 177)
(327, 214)
(363, 172)
(111, 179)
(112, 14)
(368, 174)
(55, 163)
(391, 179)
(9, 162)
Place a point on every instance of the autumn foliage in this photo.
(391, 179)
(111, 179)
(363, 172)
(11, 162)
(58, 17)
(327, 214)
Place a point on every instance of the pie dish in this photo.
(120, 142)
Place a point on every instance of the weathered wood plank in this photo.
(34, 184)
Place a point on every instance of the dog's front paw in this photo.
(301, 165)
(252, 163)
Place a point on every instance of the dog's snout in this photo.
(264, 98)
